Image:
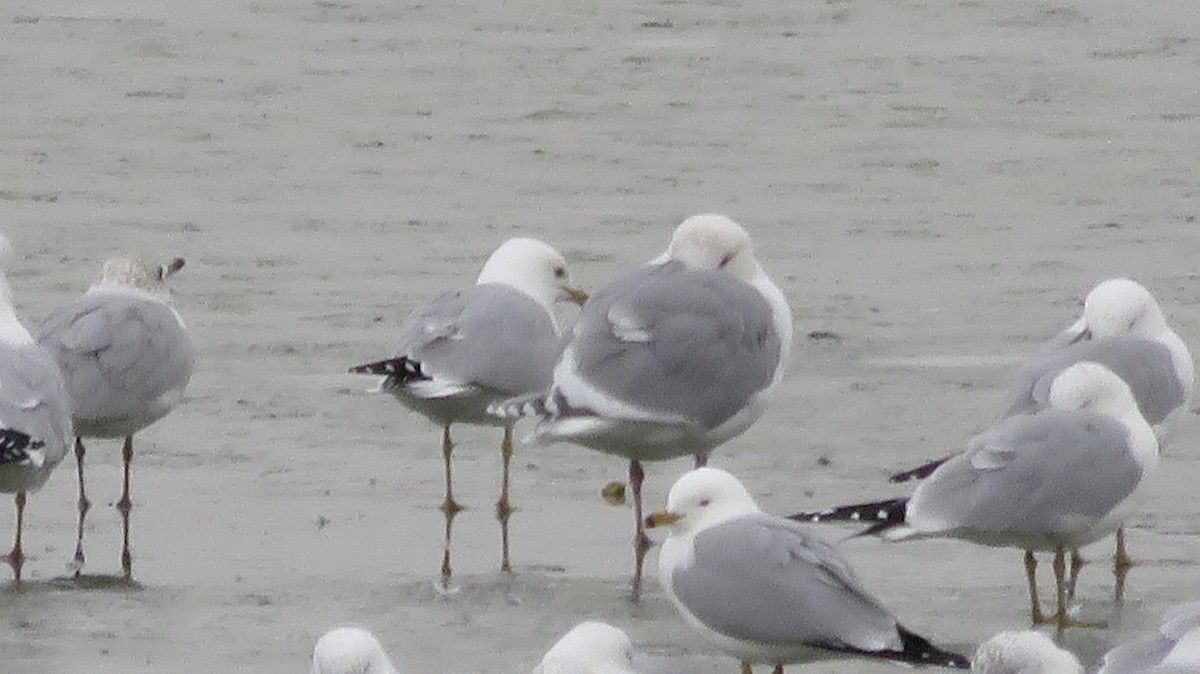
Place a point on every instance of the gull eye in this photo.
(704, 502)
(560, 272)
(725, 260)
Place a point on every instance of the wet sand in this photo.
(934, 184)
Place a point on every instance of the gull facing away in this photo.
(1124, 329)
(589, 648)
(1023, 652)
(1174, 647)
(674, 358)
(768, 590)
(127, 357)
(1054, 480)
(350, 650)
(35, 413)
(461, 350)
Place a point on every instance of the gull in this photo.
(589, 648)
(768, 590)
(35, 412)
(1023, 652)
(674, 358)
(1174, 647)
(1123, 328)
(350, 650)
(126, 356)
(461, 350)
(1054, 480)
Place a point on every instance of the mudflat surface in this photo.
(934, 185)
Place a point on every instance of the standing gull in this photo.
(1023, 652)
(1055, 480)
(672, 359)
(589, 648)
(350, 650)
(126, 357)
(35, 421)
(768, 590)
(462, 350)
(1123, 328)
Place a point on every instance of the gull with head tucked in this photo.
(672, 359)
(35, 421)
(768, 590)
(589, 648)
(1055, 480)
(461, 350)
(1023, 652)
(126, 357)
(350, 650)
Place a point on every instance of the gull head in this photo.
(139, 274)
(534, 268)
(703, 498)
(1120, 307)
(590, 648)
(1091, 386)
(713, 242)
(350, 650)
(1023, 652)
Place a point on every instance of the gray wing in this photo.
(1145, 365)
(117, 353)
(769, 580)
(33, 399)
(486, 335)
(691, 344)
(1030, 473)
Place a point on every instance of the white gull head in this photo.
(589, 648)
(1023, 652)
(533, 268)
(350, 650)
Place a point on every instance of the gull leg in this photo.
(450, 514)
(83, 505)
(1061, 618)
(124, 506)
(1122, 562)
(641, 542)
(1077, 564)
(778, 669)
(701, 460)
(449, 505)
(1035, 606)
(504, 509)
(16, 558)
(746, 668)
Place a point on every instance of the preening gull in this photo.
(1023, 652)
(1054, 480)
(126, 357)
(461, 350)
(35, 421)
(674, 358)
(350, 650)
(768, 590)
(589, 648)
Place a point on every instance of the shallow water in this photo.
(934, 185)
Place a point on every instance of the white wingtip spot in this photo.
(881, 515)
(855, 516)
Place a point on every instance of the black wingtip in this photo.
(918, 651)
(919, 473)
(403, 369)
(882, 515)
(15, 446)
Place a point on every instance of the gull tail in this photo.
(402, 369)
(920, 472)
(18, 449)
(882, 515)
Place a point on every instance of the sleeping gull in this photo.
(35, 421)
(1055, 480)
(589, 648)
(1123, 328)
(461, 350)
(671, 359)
(126, 357)
(1174, 647)
(1023, 652)
(350, 650)
(768, 590)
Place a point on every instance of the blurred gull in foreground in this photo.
(1023, 652)
(35, 421)
(350, 650)
(768, 590)
(674, 358)
(1055, 480)
(589, 648)
(126, 357)
(461, 350)
(1175, 647)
